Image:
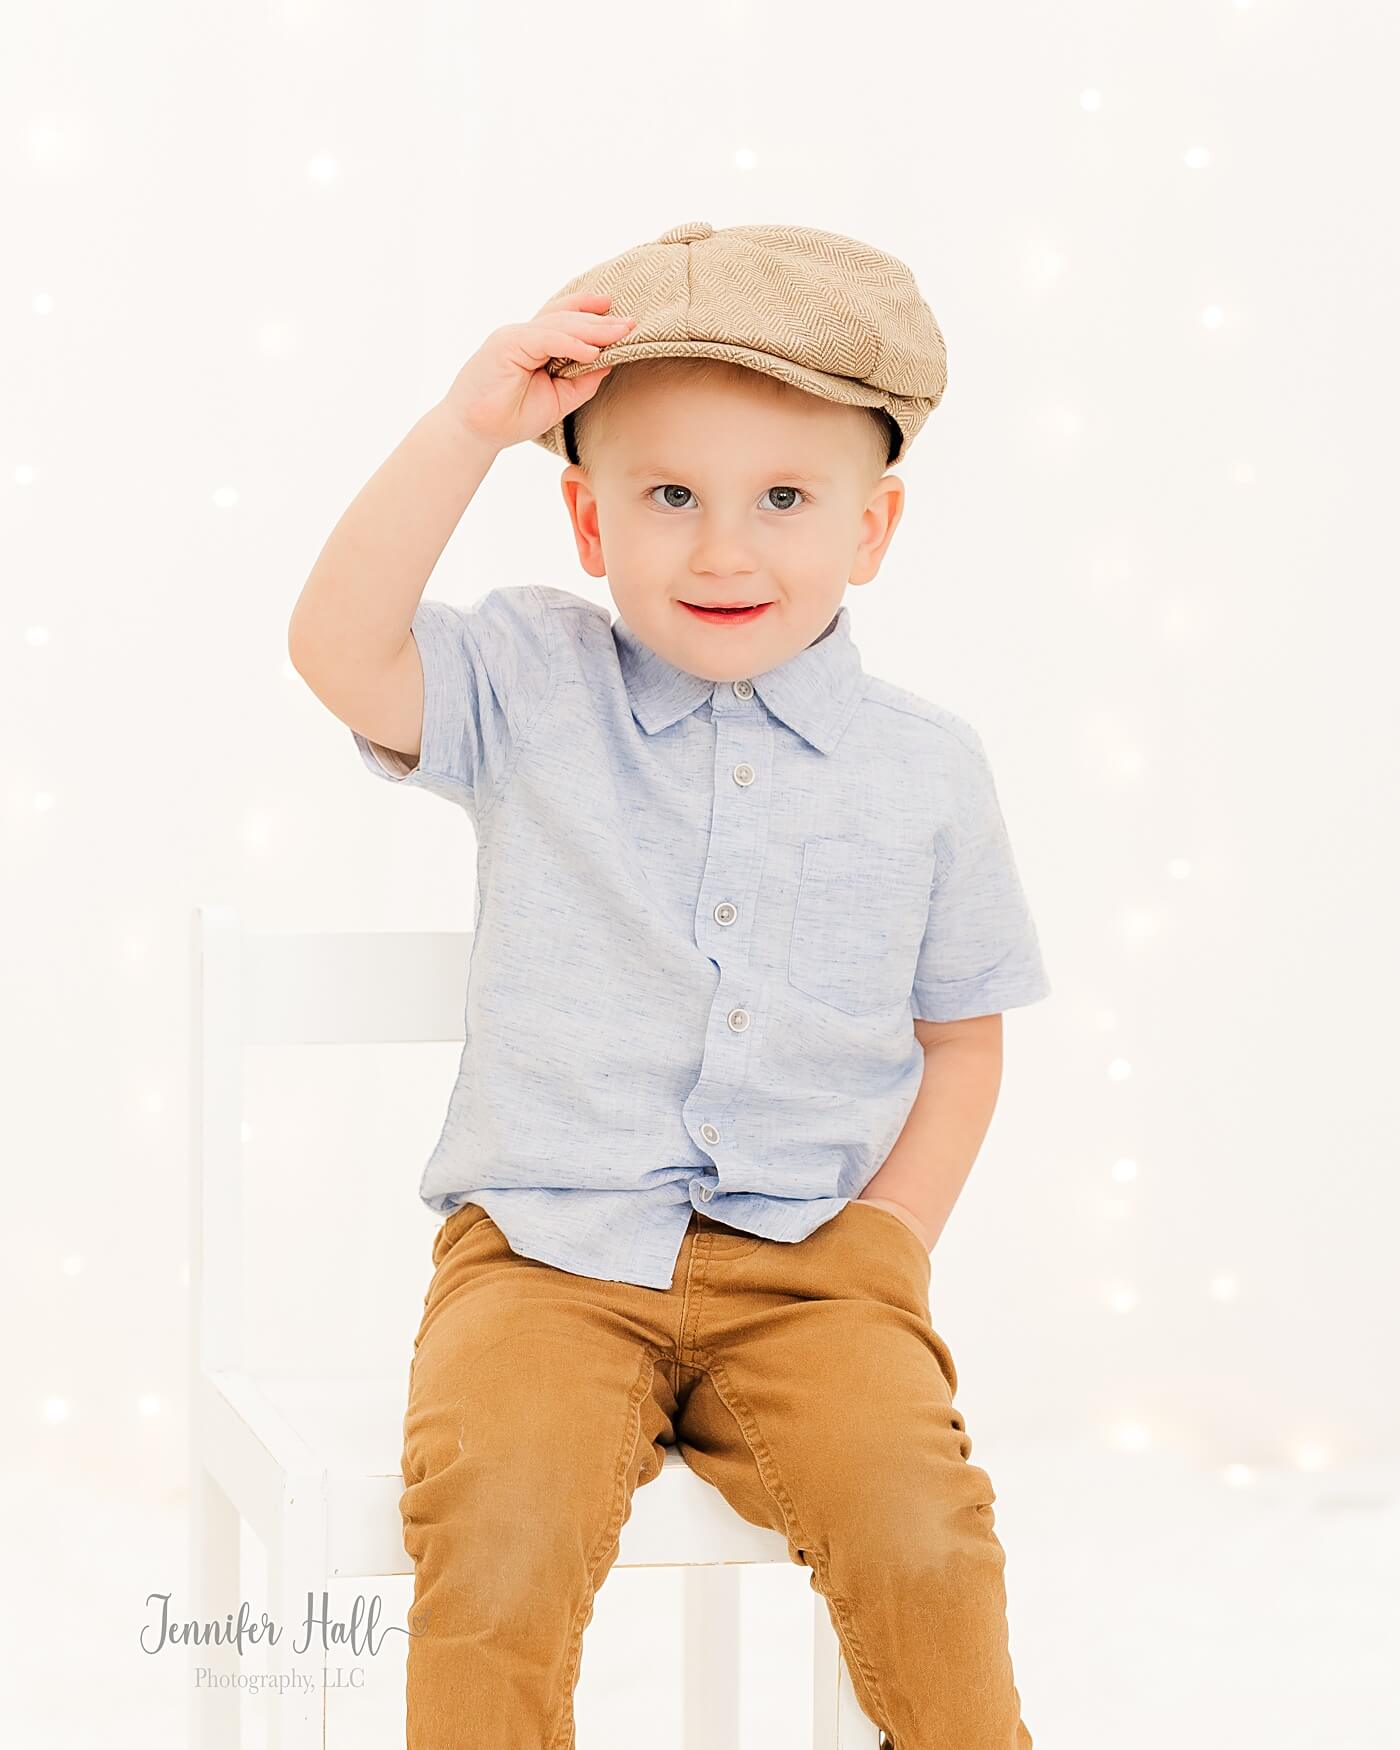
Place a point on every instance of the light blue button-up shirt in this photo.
(707, 915)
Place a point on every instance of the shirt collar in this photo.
(814, 692)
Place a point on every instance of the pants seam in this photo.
(560, 1738)
(768, 1474)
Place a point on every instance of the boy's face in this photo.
(705, 492)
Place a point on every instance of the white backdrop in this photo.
(1148, 552)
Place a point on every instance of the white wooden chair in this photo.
(312, 1464)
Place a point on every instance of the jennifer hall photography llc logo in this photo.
(318, 1633)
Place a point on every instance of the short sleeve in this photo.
(980, 953)
(487, 677)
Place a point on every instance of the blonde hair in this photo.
(885, 435)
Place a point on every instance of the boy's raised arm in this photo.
(349, 632)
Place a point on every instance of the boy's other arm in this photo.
(349, 635)
(925, 1171)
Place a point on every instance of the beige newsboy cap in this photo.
(826, 313)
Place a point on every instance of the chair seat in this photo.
(351, 1428)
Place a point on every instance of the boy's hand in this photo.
(503, 395)
(907, 1216)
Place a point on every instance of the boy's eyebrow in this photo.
(775, 474)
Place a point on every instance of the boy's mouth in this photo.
(727, 614)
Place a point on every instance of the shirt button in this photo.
(738, 1020)
(743, 774)
(709, 1133)
(725, 913)
(743, 689)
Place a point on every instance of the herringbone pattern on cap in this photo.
(828, 314)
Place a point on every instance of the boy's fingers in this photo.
(544, 343)
(596, 301)
(588, 322)
(574, 391)
(543, 340)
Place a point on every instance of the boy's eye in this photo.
(683, 492)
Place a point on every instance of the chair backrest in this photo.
(286, 987)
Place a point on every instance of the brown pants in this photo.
(802, 1379)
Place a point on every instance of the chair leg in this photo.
(214, 1590)
(839, 1722)
(295, 1567)
(711, 1652)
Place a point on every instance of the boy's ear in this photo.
(878, 524)
(583, 515)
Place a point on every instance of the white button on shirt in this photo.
(707, 915)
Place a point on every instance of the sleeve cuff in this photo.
(979, 996)
(438, 754)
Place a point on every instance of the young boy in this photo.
(746, 921)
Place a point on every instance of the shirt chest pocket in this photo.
(859, 922)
